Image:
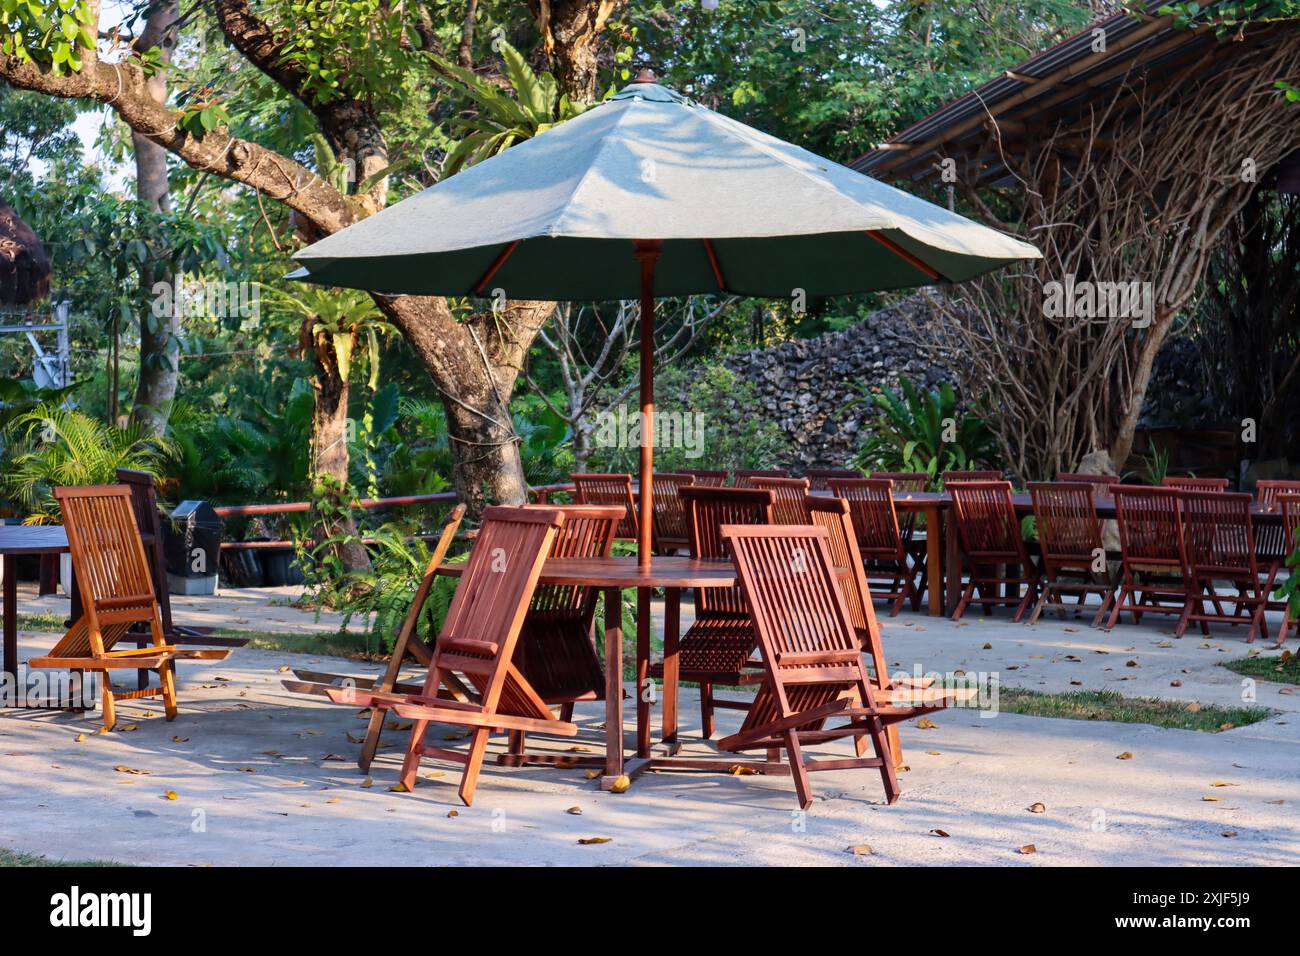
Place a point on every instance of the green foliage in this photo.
(54, 446)
(356, 48)
(502, 120)
(49, 33)
(1156, 466)
(713, 396)
(921, 430)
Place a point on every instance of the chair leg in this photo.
(566, 712)
(473, 762)
(167, 677)
(414, 751)
(802, 788)
(967, 593)
(895, 745)
(109, 704)
(706, 710)
(888, 776)
(374, 727)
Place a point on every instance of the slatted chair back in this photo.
(483, 623)
(871, 503)
(819, 478)
(1218, 534)
(112, 568)
(1188, 483)
(609, 489)
(1150, 527)
(810, 649)
(1069, 531)
(707, 477)
(555, 651)
(987, 522)
(833, 514)
(788, 496)
(949, 476)
(1289, 505)
(743, 477)
(709, 510)
(905, 481)
(1100, 484)
(1271, 539)
(671, 519)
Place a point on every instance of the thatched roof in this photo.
(24, 266)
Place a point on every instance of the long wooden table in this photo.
(15, 541)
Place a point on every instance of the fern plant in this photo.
(51, 446)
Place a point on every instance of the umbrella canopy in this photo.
(737, 211)
(24, 266)
(651, 194)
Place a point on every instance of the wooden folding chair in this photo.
(903, 691)
(671, 530)
(1070, 542)
(707, 477)
(1100, 484)
(1188, 483)
(477, 643)
(812, 661)
(1271, 539)
(408, 644)
(871, 504)
(913, 527)
(593, 489)
(788, 495)
(1220, 544)
(819, 478)
(716, 648)
(743, 477)
(1289, 505)
(1154, 574)
(991, 539)
(117, 593)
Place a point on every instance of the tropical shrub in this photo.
(52, 446)
(921, 430)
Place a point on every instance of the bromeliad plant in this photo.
(920, 430)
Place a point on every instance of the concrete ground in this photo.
(260, 776)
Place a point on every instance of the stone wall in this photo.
(804, 385)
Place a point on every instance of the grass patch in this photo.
(14, 858)
(359, 647)
(45, 621)
(1284, 668)
(1109, 705)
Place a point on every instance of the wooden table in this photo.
(17, 540)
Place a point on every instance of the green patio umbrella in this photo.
(651, 194)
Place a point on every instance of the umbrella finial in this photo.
(646, 75)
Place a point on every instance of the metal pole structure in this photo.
(647, 253)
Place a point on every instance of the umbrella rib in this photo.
(497, 263)
(713, 261)
(906, 256)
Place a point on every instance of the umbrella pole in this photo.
(647, 253)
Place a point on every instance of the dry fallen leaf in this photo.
(574, 811)
(397, 725)
(332, 800)
(367, 783)
(129, 728)
(1037, 808)
(180, 740)
(1211, 799)
(398, 788)
(940, 833)
(593, 774)
(122, 768)
(79, 739)
(1230, 833)
(934, 753)
(1222, 783)
(592, 841)
(621, 784)
(1028, 848)
(859, 849)
(925, 723)
(355, 740)
(1193, 708)
(435, 774)
(988, 647)
(453, 813)
(740, 770)
(1125, 756)
(171, 795)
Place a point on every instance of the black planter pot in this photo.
(281, 568)
(242, 568)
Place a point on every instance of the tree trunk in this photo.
(329, 443)
(474, 365)
(570, 31)
(1122, 446)
(159, 343)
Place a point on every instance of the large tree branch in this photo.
(122, 86)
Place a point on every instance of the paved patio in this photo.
(264, 777)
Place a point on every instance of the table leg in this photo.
(934, 560)
(952, 561)
(613, 687)
(672, 633)
(643, 629)
(11, 618)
